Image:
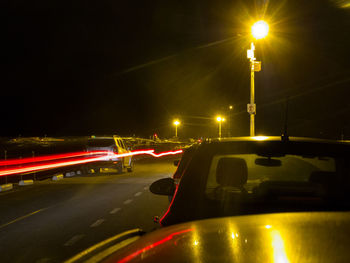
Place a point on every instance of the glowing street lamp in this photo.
(259, 30)
(220, 119)
(176, 123)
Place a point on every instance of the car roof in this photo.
(284, 237)
(276, 138)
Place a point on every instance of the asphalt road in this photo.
(52, 221)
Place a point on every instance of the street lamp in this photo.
(259, 30)
(220, 119)
(176, 123)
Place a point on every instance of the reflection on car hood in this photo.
(285, 237)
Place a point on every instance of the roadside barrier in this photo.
(6, 187)
(70, 174)
(57, 177)
(25, 182)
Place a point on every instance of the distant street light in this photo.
(259, 30)
(220, 119)
(176, 123)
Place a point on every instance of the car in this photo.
(255, 175)
(281, 237)
(113, 144)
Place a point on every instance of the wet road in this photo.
(52, 221)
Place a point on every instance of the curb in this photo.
(57, 177)
(6, 187)
(25, 182)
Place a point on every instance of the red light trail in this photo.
(48, 158)
(61, 160)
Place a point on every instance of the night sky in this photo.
(129, 67)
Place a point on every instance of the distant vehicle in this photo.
(113, 144)
(283, 237)
(254, 175)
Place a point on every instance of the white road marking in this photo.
(138, 194)
(97, 223)
(115, 210)
(73, 240)
(127, 201)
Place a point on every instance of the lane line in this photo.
(23, 217)
(73, 240)
(138, 194)
(115, 210)
(127, 201)
(97, 223)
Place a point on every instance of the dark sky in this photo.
(129, 67)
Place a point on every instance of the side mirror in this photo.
(176, 162)
(164, 186)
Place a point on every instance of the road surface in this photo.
(52, 221)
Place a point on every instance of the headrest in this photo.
(232, 172)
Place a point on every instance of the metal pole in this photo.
(175, 131)
(219, 129)
(252, 91)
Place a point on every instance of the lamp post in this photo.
(229, 124)
(259, 31)
(176, 123)
(220, 119)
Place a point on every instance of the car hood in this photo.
(284, 237)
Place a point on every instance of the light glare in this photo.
(260, 29)
(260, 138)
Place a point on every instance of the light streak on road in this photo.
(48, 158)
(85, 157)
(40, 167)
